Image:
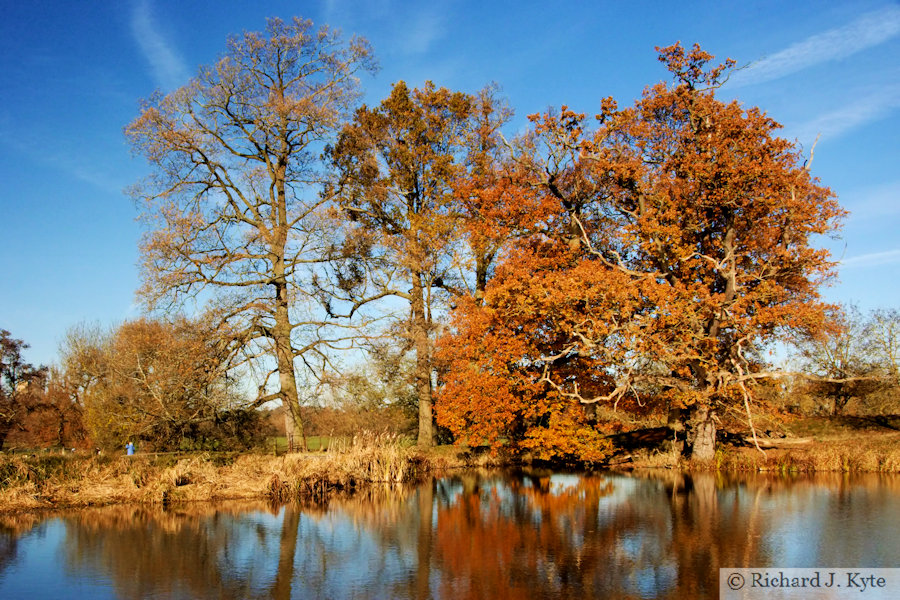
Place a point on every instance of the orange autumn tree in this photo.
(491, 202)
(680, 247)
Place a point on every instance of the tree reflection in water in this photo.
(530, 534)
(184, 553)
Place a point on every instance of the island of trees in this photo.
(408, 266)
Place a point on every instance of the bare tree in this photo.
(882, 335)
(234, 208)
(837, 364)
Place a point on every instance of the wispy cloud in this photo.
(423, 30)
(168, 67)
(869, 30)
(76, 161)
(873, 202)
(872, 259)
(838, 122)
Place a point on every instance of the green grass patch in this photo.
(314, 443)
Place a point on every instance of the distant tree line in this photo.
(161, 384)
(852, 364)
(33, 397)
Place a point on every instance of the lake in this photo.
(474, 534)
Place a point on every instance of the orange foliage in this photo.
(678, 245)
(423, 185)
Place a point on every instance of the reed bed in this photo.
(59, 480)
(364, 459)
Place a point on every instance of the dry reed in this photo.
(56, 480)
(869, 454)
(364, 459)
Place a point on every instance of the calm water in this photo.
(475, 535)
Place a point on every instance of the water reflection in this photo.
(476, 534)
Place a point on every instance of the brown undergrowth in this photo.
(64, 480)
(869, 453)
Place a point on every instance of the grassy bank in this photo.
(71, 480)
(880, 454)
(816, 444)
(835, 444)
(46, 480)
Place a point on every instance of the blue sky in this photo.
(73, 73)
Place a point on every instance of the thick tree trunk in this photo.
(483, 261)
(60, 427)
(281, 332)
(838, 404)
(281, 336)
(701, 434)
(422, 345)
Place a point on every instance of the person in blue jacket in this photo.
(129, 448)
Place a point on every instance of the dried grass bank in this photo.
(71, 480)
(869, 453)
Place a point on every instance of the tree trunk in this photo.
(675, 423)
(838, 404)
(421, 343)
(281, 335)
(701, 434)
(281, 332)
(483, 260)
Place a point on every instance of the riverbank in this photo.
(61, 480)
(806, 445)
(879, 455)
(845, 445)
(64, 480)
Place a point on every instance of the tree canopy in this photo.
(400, 168)
(679, 245)
(162, 382)
(234, 210)
(593, 269)
(20, 384)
